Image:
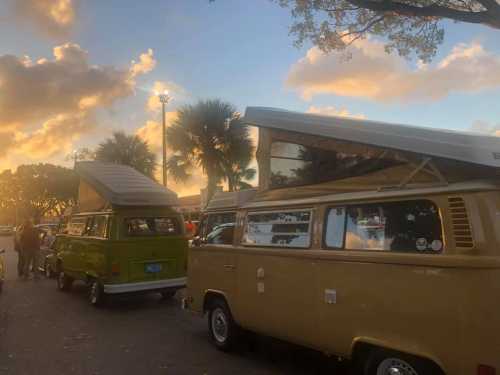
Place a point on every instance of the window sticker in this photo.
(421, 244)
(437, 245)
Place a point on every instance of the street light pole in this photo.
(164, 99)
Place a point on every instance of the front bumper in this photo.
(145, 286)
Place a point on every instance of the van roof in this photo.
(463, 146)
(122, 185)
(230, 199)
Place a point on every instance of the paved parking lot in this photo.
(44, 331)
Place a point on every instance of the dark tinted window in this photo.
(294, 164)
(411, 226)
(152, 226)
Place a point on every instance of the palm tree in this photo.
(128, 150)
(209, 135)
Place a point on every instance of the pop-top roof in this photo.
(468, 147)
(230, 200)
(124, 186)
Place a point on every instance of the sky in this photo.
(72, 72)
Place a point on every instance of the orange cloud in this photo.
(53, 17)
(47, 105)
(372, 73)
(332, 111)
(145, 64)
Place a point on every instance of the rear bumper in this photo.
(145, 286)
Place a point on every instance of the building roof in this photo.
(463, 146)
(124, 186)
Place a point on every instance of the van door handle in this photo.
(229, 266)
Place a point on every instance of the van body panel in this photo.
(443, 307)
(119, 258)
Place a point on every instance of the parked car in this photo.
(6, 230)
(2, 269)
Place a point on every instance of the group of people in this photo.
(27, 246)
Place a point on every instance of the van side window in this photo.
(335, 227)
(215, 219)
(98, 227)
(278, 229)
(152, 226)
(221, 235)
(409, 226)
(77, 225)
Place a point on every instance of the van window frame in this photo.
(92, 217)
(294, 248)
(345, 206)
(83, 234)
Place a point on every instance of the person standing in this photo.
(17, 248)
(30, 247)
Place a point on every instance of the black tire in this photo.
(47, 270)
(64, 282)
(223, 330)
(167, 294)
(96, 295)
(380, 362)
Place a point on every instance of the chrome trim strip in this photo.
(145, 285)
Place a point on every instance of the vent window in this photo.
(462, 231)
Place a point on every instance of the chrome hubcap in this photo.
(395, 366)
(219, 325)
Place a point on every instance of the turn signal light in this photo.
(486, 370)
(115, 269)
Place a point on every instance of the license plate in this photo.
(153, 268)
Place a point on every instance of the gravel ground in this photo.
(44, 331)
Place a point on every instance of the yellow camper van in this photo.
(374, 242)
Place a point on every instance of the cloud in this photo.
(373, 74)
(47, 105)
(53, 17)
(151, 132)
(332, 111)
(153, 104)
(145, 64)
(486, 128)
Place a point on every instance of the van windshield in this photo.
(152, 226)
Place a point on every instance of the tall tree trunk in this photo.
(211, 184)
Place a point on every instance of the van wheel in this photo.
(167, 294)
(97, 297)
(223, 329)
(64, 282)
(387, 362)
(48, 271)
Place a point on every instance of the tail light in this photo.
(486, 370)
(115, 269)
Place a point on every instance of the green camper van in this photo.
(125, 238)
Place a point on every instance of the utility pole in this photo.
(164, 99)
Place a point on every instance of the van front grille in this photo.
(462, 231)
